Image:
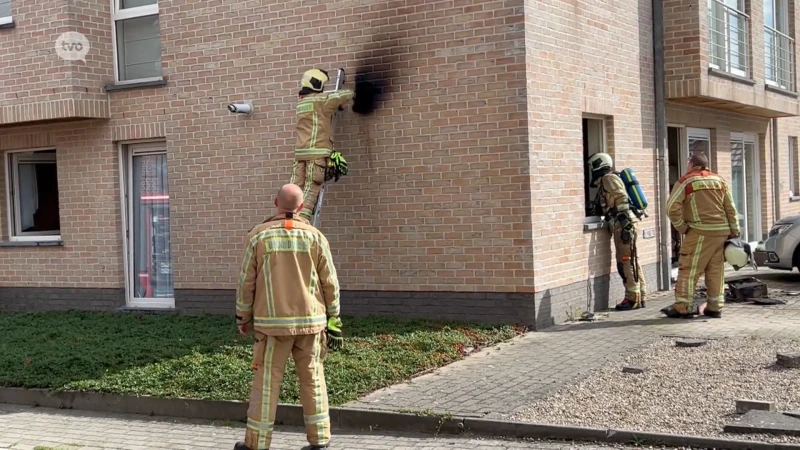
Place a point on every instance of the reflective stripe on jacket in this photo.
(287, 283)
(314, 115)
(702, 200)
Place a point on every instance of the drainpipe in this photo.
(662, 178)
(776, 180)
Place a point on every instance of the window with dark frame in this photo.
(594, 141)
(33, 195)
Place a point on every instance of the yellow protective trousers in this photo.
(269, 361)
(628, 266)
(309, 176)
(701, 255)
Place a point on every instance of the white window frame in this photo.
(12, 204)
(7, 19)
(729, 69)
(700, 134)
(794, 160)
(604, 142)
(127, 150)
(124, 14)
(749, 138)
(780, 20)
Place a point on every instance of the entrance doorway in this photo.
(746, 185)
(146, 197)
(683, 142)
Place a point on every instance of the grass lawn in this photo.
(204, 357)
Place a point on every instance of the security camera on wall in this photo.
(241, 108)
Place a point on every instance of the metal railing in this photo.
(729, 39)
(779, 65)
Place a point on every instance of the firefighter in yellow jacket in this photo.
(288, 294)
(615, 205)
(701, 208)
(315, 160)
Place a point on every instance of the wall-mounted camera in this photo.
(241, 108)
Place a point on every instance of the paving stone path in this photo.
(25, 428)
(502, 380)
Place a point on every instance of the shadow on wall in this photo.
(647, 75)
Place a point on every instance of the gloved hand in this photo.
(338, 165)
(335, 336)
(624, 221)
(626, 236)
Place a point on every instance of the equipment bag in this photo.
(634, 189)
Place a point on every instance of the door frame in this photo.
(751, 138)
(126, 151)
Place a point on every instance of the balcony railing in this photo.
(729, 39)
(779, 65)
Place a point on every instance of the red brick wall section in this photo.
(605, 51)
(436, 198)
(89, 207)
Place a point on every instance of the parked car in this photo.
(781, 250)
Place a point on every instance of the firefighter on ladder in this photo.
(615, 204)
(315, 160)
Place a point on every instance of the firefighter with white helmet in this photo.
(701, 208)
(615, 204)
(315, 159)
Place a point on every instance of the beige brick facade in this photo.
(468, 179)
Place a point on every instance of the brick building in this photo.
(466, 195)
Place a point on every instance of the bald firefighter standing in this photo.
(701, 208)
(288, 294)
(616, 207)
(315, 160)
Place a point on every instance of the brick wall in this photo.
(585, 57)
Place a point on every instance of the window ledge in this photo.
(142, 84)
(779, 90)
(593, 223)
(58, 243)
(730, 76)
(795, 198)
(5, 24)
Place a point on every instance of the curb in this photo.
(360, 419)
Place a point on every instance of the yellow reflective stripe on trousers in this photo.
(290, 322)
(260, 426)
(318, 386)
(315, 419)
(266, 393)
(309, 182)
(693, 272)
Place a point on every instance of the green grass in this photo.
(204, 357)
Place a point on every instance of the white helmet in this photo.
(736, 254)
(600, 161)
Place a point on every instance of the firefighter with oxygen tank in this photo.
(616, 193)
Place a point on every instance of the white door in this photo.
(147, 226)
(745, 184)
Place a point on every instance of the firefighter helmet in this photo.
(314, 79)
(736, 253)
(600, 161)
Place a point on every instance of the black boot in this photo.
(315, 447)
(712, 314)
(240, 446)
(673, 313)
(627, 305)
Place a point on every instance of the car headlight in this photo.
(777, 230)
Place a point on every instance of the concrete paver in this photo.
(25, 428)
(500, 381)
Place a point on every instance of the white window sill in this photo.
(33, 243)
(7, 22)
(794, 198)
(136, 84)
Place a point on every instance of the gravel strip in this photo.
(682, 390)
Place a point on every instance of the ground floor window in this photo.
(794, 168)
(745, 185)
(148, 225)
(594, 141)
(32, 187)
